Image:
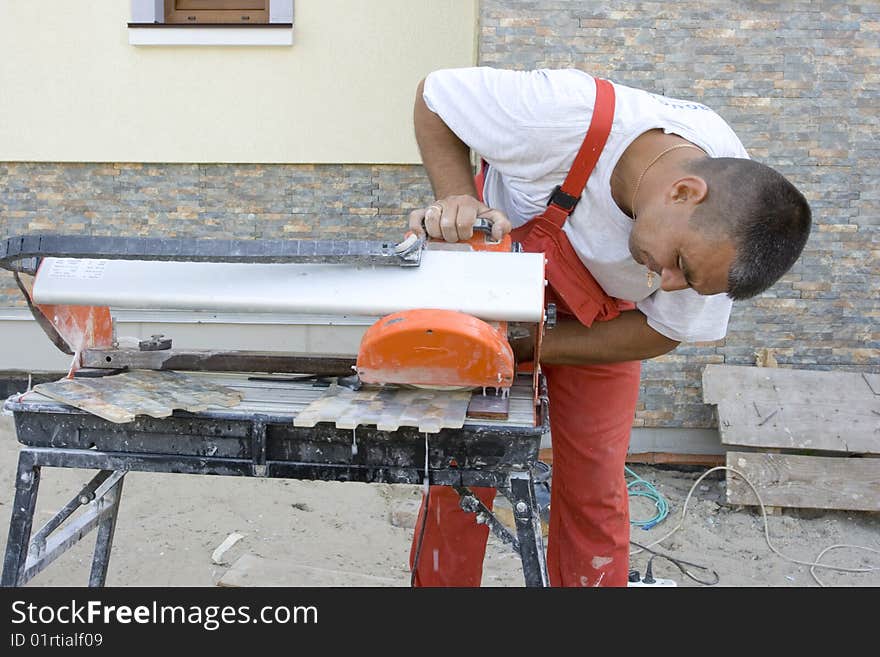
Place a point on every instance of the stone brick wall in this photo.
(797, 80)
(207, 200)
(799, 83)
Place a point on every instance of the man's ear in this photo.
(691, 189)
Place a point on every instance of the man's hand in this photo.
(453, 218)
(447, 162)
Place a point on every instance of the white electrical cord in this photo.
(812, 564)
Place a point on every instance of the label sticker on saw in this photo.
(75, 268)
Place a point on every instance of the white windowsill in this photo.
(211, 36)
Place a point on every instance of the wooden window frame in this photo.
(211, 12)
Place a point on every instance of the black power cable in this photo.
(680, 564)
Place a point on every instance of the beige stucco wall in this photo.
(73, 89)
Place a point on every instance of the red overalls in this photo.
(591, 414)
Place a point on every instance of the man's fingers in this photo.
(417, 222)
(448, 222)
(433, 217)
(452, 219)
(501, 225)
(464, 221)
(447, 228)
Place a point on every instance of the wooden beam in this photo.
(851, 427)
(668, 458)
(770, 384)
(807, 482)
(665, 458)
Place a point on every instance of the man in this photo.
(656, 221)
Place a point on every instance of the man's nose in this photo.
(672, 279)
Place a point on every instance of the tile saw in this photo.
(445, 311)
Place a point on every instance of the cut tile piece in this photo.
(388, 408)
(122, 397)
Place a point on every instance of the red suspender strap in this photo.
(566, 196)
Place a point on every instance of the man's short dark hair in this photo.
(766, 216)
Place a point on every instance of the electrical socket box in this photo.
(658, 581)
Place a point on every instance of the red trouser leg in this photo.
(453, 545)
(591, 415)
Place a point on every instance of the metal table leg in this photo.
(26, 556)
(106, 529)
(528, 529)
(27, 483)
(529, 541)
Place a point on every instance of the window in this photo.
(211, 23)
(248, 12)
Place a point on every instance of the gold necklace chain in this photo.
(632, 205)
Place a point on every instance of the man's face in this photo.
(665, 242)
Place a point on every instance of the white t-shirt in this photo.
(529, 125)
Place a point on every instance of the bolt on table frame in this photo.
(259, 440)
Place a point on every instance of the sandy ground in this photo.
(349, 534)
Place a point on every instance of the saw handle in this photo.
(481, 240)
(483, 225)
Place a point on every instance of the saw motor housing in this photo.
(438, 348)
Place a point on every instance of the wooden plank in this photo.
(667, 458)
(851, 427)
(806, 482)
(771, 384)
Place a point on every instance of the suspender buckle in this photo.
(563, 200)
